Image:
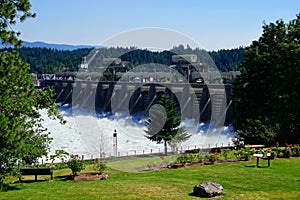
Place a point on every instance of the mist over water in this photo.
(91, 134)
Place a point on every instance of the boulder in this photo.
(208, 189)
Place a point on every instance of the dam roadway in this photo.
(205, 102)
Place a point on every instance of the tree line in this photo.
(45, 60)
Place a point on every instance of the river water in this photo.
(91, 135)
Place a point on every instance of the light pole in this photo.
(115, 142)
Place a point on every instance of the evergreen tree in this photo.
(10, 12)
(164, 123)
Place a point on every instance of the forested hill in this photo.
(45, 60)
(228, 60)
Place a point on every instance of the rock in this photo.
(208, 189)
(104, 177)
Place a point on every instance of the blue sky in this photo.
(214, 24)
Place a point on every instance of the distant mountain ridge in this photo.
(40, 44)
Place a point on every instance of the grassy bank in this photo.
(240, 181)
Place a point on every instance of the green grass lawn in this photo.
(240, 181)
(133, 164)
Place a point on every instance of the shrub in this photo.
(280, 152)
(296, 150)
(75, 164)
(243, 154)
(201, 157)
(193, 151)
(187, 158)
(102, 167)
(273, 154)
(224, 153)
(213, 157)
(283, 152)
(287, 153)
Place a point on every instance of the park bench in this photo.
(36, 171)
(261, 156)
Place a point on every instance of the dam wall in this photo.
(203, 102)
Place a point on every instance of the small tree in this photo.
(164, 123)
(102, 167)
(75, 164)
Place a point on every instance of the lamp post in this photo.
(115, 142)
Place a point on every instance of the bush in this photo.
(187, 158)
(287, 153)
(296, 150)
(212, 157)
(273, 154)
(101, 167)
(75, 164)
(243, 154)
(193, 151)
(225, 153)
(283, 152)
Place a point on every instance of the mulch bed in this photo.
(175, 166)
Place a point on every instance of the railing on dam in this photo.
(204, 101)
(157, 151)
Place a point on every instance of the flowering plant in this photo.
(213, 157)
(287, 153)
(296, 150)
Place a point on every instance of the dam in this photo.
(211, 101)
(200, 92)
(118, 98)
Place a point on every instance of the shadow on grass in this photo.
(31, 181)
(251, 166)
(8, 187)
(263, 167)
(192, 194)
(254, 166)
(64, 178)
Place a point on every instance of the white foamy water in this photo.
(88, 135)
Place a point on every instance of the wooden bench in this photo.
(36, 171)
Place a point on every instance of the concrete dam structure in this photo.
(197, 88)
(203, 102)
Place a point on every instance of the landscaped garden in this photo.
(241, 180)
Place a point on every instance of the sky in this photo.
(213, 24)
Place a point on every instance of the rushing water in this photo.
(89, 134)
